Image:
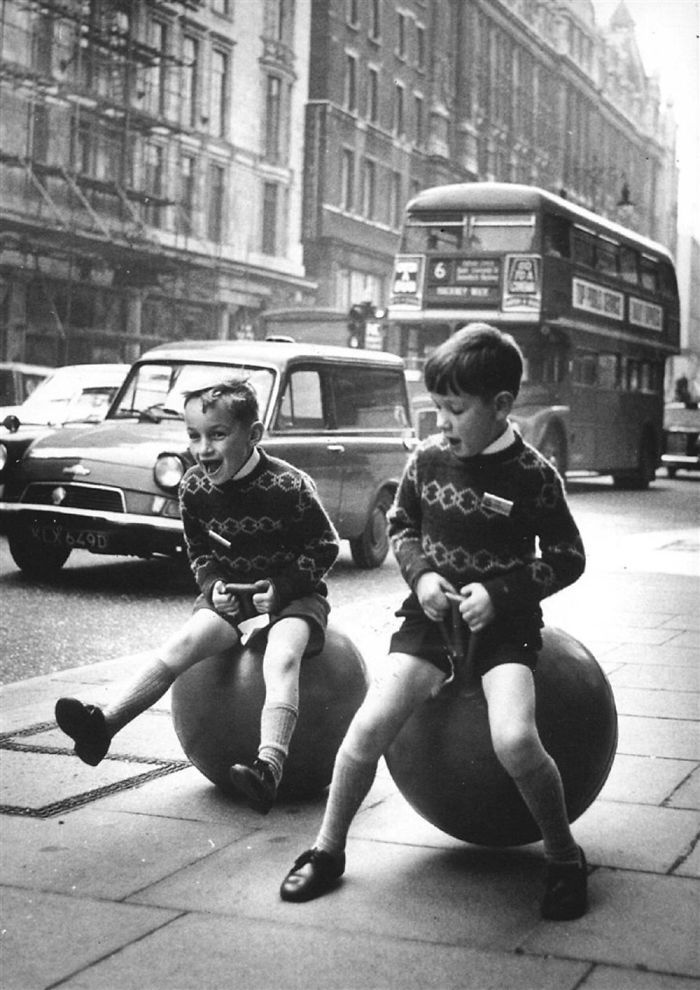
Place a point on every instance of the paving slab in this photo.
(672, 738)
(616, 978)
(206, 951)
(654, 703)
(656, 676)
(647, 780)
(48, 937)
(93, 854)
(466, 896)
(636, 837)
(637, 920)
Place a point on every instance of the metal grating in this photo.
(77, 496)
(8, 741)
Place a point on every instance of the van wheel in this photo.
(34, 558)
(372, 546)
(553, 447)
(646, 468)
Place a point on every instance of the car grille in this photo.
(77, 497)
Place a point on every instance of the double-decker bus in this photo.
(593, 306)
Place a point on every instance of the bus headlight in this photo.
(3, 456)
(168, 471)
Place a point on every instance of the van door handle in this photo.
(337, 448)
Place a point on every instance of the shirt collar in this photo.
(500, 443)
(249, 465)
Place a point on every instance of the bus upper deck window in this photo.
(606, 257)
(584, 248)
(629, 265)
(555, 237)
(650, 274)
(501, 232)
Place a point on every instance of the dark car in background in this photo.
(341, 415)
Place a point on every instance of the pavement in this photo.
(140, 874)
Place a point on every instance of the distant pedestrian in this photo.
(259, 542)
(470, 509)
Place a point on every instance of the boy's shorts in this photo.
(314, 608)
(498, 643)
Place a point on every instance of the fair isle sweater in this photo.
(274, 521)
(522, 545)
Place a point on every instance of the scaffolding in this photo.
(91, 208)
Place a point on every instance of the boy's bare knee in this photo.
(517, 748)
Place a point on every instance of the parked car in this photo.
(341, 415)
(76, 393)
(17, 382)
(681, 437)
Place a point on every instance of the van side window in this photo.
(301, 407)
(369, 398)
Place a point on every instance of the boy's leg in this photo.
(403, 683)
(92, 728)
(510, 695)
(286, 642)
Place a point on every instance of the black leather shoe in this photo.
(321, 872)
(566, 890)
(256, 784)
(86, 726)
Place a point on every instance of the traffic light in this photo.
(358, 316)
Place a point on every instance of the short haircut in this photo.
(237, 395)
(479, 360)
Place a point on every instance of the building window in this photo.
(420, 46)
(401, 35)
(269, 218)
(352, 12)
(153, 183)
(373, 95)
(190, 52)
(351, 83)
(219, 92)
(347, 179)
(396, 200)
(215, 216)
(157, 86)
(418, 108)
(375, 23)
(399, 127)
(185, 216)
(40, 132)
(221, 7)
(369, 188)
(273, 107)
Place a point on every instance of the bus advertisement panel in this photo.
(593, 305)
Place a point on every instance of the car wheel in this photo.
(34, 558)
(372, 546)
(553, 447)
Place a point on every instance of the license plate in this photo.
(54, 534)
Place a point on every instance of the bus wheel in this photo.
(34, 558)
(646, 468)
(372, 546)
(553, 447)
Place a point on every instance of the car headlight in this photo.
(3, 456)
(168, 471)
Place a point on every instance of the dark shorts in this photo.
(418, 636)
(314, 608)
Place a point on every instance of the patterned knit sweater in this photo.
(273, 520)
(445, 518)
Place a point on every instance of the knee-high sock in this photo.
(277, 723)
(144, 690)
(352, 780)
(543, 793)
